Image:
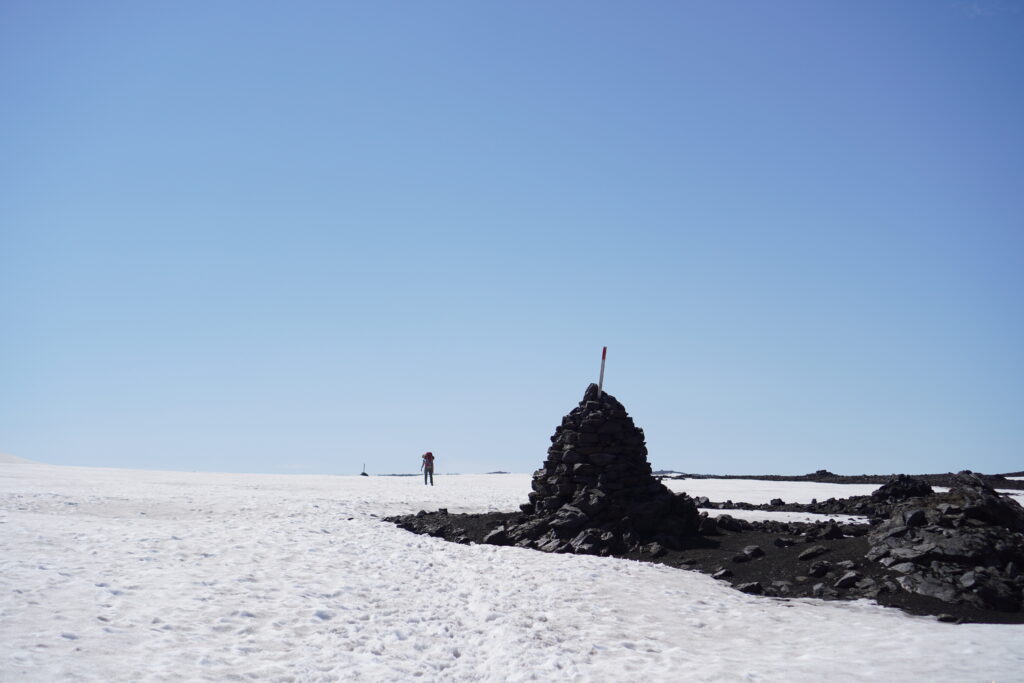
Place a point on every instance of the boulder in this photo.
(812, 552)
(498, 537)
(707, 526)
(819, 569)
(728, 523)
(848, 579)
(831, 531)
(901, 487)
(655, 549)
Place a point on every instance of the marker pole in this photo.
(600, 382)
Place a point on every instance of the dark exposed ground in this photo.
(775, 571)
(996, 481)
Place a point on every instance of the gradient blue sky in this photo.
(300, 237)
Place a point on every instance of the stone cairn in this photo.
(595, 493)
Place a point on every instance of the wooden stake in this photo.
(600, 382)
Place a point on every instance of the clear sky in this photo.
(301, 237)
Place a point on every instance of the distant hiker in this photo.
(428, 468)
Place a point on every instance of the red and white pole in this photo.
(600, 382)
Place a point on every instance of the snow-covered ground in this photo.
(756, 492)
(135, 575)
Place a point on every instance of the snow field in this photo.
(170, 576)
(756, 491)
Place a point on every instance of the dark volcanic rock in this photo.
(497, 537)
(819, 569)
(848, 579)
(729, 523)
(812, 552)
(596, 494)
(897, 489)
(901, 487)
(963, 546)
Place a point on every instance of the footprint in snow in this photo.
(323, 615)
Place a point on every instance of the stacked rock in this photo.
(966, 546)
(901, 487)
(595, 493)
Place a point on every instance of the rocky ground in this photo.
(894, 490)
(957, 555)
(784, 560)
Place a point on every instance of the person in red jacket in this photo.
(428, 467)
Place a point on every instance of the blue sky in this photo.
(300, 237)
